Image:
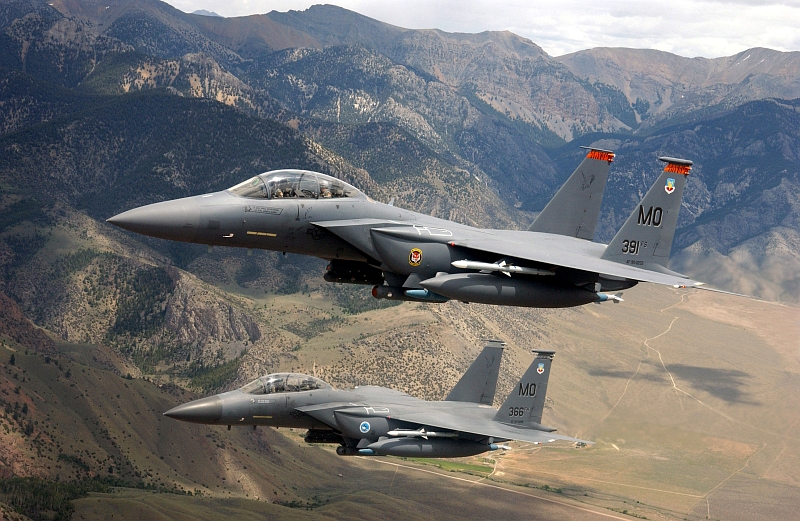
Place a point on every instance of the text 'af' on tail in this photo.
(525, 404)
(645, 240)
(479, 383)
(575, 208)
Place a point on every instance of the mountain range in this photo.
(493, 105)
(109, 105)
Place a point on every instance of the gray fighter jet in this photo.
(410, 256)
(371, 420)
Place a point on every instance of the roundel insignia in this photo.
(415, 257)
(540, 369)
(364, 427)
(670, 186)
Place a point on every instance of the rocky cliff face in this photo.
(661, 85)
(200, 315)
(510, 74)
(16, 327)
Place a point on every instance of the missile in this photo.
(605, 297)
(499, 266)
(426, 295)
(422, 433)
(412, 295)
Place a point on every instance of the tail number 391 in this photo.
(633, 247)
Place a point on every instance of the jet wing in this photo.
(549, 249)
(324, 411)
(569, 252)
(474, 424)
(544, 248)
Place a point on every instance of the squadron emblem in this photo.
(415, 257)
(670, 186)
(540, 369)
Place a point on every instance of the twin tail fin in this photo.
(525, 404)
(479, 383)
(645, 240)
(575, 208)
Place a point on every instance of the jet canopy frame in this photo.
(284, 383)
(294, 184)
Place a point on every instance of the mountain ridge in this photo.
(105, 109)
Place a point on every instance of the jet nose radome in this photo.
(176, 220)
(204, 410)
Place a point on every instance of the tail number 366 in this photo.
(517, 411)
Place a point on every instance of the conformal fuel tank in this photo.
(486, 288)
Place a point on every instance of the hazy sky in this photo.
(686, 27)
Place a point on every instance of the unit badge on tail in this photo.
(540, 369)
(670, 186)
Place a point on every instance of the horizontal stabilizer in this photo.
(700, 285)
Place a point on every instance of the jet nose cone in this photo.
(177, 220)
(204, 410)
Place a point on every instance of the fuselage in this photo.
(279, 409)
(225, 219)
(404, 255)
(374, 420)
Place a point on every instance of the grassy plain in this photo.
(690, 398)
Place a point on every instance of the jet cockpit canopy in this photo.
(294, 184)
(284, 383)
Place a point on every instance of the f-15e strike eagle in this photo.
(379, 421)
(406, 255)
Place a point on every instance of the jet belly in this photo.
(487, 288)
(426, 448)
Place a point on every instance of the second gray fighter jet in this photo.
(376, 421)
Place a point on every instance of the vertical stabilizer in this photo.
(646, 237)
(574, 210)
(525, 403)
(480, 381)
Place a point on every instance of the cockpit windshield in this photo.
(293, 184)
(284, 383)
(252, 188)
